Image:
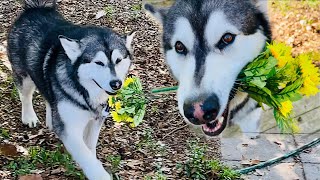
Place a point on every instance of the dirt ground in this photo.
(299, 27)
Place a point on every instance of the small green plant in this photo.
(109, 11)
(312, 3)
(4, 133)
(154, 109)
(136, 7)
(14, 93)
(149, 143)
(157, 176)
(283, 6)
(199, 167)
(41, 158)
(114, 160)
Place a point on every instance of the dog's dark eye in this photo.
(226, 40)
(181, 48)
(118, 61)
(99, 63)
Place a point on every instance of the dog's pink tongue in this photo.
(198, 113)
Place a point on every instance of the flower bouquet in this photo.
(129, 105)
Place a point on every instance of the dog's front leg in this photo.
(92, 134)
(75, 121)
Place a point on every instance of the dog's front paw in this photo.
(30, 119)
(98, 173)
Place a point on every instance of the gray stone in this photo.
(310, 122)
(265, 147)
(311, 155)
(312, 171)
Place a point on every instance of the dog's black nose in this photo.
(211, 108)
(201, 112)
(115, 84)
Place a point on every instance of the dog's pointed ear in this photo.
(129, 40)
(71, 47)
(158, 13)
(262, 5)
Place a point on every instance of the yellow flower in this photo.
(309, 88)
(129, 119)
(128, 81)
(110, 102)
(132, 125)
(282, 53)
(310, 74)
(284, 60)
(118, 106)
(279, 49)
(116, 117)
(286, 108)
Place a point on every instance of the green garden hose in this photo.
(279, 159)
(165, 90)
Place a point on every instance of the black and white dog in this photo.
(75, 68)
(207, 43)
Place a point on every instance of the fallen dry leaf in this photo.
(31, 177)
(8, 150)
(278, 143)
(58, 171)
(245, 163)
(100, 14)
(255, 161)
(133, 163)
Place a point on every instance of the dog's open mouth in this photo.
(109, 93)
(215, 127)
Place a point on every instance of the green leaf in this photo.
(285, 124)
(262, 96)
(296, 97)
(130, 110)
(272, 62)
(258, 82)
(291, 92)
(139, 116)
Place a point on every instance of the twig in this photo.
(279, 159)
(175, 130)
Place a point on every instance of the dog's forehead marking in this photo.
(183, 32)
(217, 26)
(101, 56)
(115, 55)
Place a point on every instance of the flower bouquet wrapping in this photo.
(277, 79)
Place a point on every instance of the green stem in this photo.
(164, 90)
(279, 159)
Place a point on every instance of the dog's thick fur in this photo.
(75, 68)
(206, 66)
